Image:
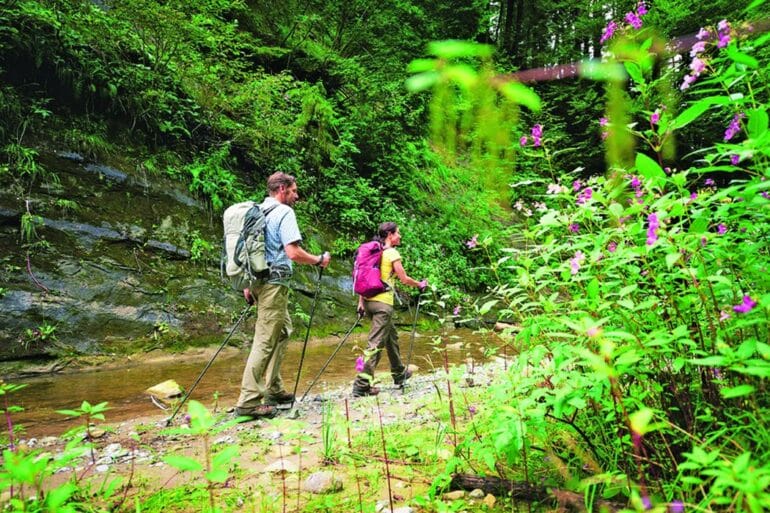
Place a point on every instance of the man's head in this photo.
(283, 187)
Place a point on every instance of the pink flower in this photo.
(746, 306)
(612, 246)
(360, 364)
(697, 66)
(723, 316)
(523, 140)
(721, 228)
(688, 79)
(703, 34)
(633, 20)
(473, 242)
(584, 196)
(735, 159)
(698, 48)
(576, 185)
(709, 182)
(574, 227)
(456, 311)
(574, 262)
(655, 118)
(604, 121)
(652, 229)
(641, 9)
(593, 331)
(608, 32)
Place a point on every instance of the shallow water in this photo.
(124, 388)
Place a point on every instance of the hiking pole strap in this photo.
(339, 346)
(307, 334)
(206, 368)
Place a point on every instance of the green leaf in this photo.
(452, 49)
(739, 391)
(521, 95)
(422, 65)
(672, 258)
(757, 124)
(183, 463)
(225, 456)
(635, 72)
(648, 168)
(422, 81)
(217, 475)
(741, 58)
(640, 420)
(597, 70)
(690, 114)
(486, 307)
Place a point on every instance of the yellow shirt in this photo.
(389, 256)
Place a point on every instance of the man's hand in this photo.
(248, 297)
(325, 259)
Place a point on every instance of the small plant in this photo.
(215, 468)
(88, 413)
(329, 434)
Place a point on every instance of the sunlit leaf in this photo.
(521, 95)
(739, 391)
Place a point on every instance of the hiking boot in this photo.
(357, 392)
(256, 412)
(279, 398)
(400, 382)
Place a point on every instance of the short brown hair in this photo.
(279, 179)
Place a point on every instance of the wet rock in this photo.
(323, 482)
(165, 390)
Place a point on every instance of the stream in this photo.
(123, 387)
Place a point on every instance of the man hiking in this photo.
(383, 334)
(261, 386)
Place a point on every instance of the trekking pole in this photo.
(344, 339)
(307, 334)
(414, 329)
(187, 396)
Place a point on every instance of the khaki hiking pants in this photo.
(382, 335)
(262, 375)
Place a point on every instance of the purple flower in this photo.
(609, 31)
(537, 134)
(472, 409)
(574, 262)
(724, 40)
(734, 127)
(456, 311)
(703, 34)
(360, 364)
(523, 140)
(723, 30)
(612, 246)
(688, 79)
(633, 20)
(576, 185)
(574, 227)
(584, 196)
(709, 182)
(473, 242)
(765, 194)
(604, 121)
(703, 242)
(698, 48)
(735, 159)
(641, 9)
(646, 502)
(655, 118)
(721, 228)
(697, 66)
(676, 507)
(746, 306)
(652, 227)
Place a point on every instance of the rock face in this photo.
(109, 267)
(323, 482)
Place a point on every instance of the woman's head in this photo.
(389, 229)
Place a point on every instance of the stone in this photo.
(454, 495)
(489, 501)
(323, 482)
(281, 466)
(403, 509)
(476, 493)
(165, 390)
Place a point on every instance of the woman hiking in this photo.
(383, 334)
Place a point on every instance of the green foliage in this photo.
(643, 303)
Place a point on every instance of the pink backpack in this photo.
(366, 270)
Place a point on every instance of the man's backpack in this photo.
(367, 278)
(244, 261)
